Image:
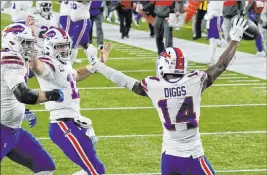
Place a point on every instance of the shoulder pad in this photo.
(9, 57)
(48, 61)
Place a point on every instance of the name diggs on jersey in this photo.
(175, 91)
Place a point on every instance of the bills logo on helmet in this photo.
(50, 34)
(15, 29)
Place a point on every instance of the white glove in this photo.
(239, 26)
(91, 134)
(83, 122)
(91, 51)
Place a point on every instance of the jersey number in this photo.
(74, 6)
(14, 6)
(185, 114)
(44, 29)
(75, 93)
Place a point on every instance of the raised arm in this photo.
(216, 70)
(113, 75)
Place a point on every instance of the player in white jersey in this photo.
(19, 10)
(176, 95)
(214, 25)
(42, 20)
(16, 143)
(80, 26)
(64, 19)
(69, 130)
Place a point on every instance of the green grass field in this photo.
(223, 110)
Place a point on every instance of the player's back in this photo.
(80, 10)
(13, 72)
(178, 104)
(63, 78)
(20, 10)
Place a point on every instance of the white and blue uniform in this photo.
(80, 23)
(16, 143)
(178, 105)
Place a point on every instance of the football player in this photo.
(176, 95)
(69, 130)
(64, 19)
(19, 10)
(42, 20)
(80, 26)
(16, 143)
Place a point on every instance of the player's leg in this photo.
(159, 32)
(128, 20)
(93, 19)
(226, 28)
(172, 165)
(30, 153)
(201, 166)
(8, 140)
(63, 22)
(99, 30)
(213, 35)
(264, 37)
(168, 34)
(76, 145)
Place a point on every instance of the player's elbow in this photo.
(25, 95)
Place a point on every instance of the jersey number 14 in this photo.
(186, 114)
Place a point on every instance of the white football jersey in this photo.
(178, 106)
(20, 10)
(80, 10)
(13, 72)
(215, 8)
(65, 8)
(42, 25)
(60, 76)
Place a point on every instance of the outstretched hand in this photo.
(104, 52)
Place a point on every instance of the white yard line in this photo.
(159, 135)
(260, 87)
(214, 85)
(232, 78)
(151, 107)
(218, 171)
(234, 81)
(230, 74)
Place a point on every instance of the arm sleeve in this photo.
(14, 76)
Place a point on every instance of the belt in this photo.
(65, 119)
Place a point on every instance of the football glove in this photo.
(91, 53)
(61, 95)
(30, 117)
(239, 27)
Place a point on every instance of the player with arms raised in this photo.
(69, 130)
(176, 95)
(16, 143)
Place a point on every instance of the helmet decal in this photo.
(15, 29)
(179, 58)
(50, 34)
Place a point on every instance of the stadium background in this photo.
(233, 118)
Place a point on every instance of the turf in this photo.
(142, 154)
